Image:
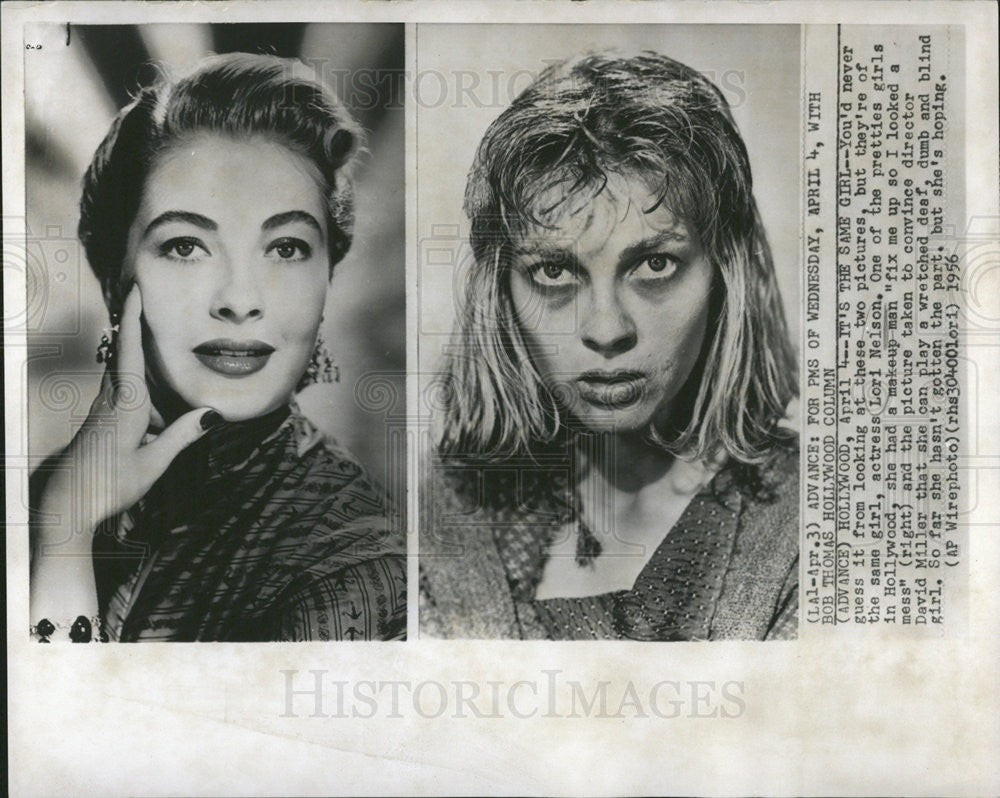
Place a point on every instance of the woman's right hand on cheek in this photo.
(106, 464)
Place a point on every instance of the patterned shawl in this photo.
(261, 530)
(728, 568)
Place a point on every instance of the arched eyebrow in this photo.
(288, 217)
(651, 245)
(546, 246)
(542, 250)
(532, 255)
(195, 219)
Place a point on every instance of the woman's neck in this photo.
(630, 494)
(626, 463)
(630, 479)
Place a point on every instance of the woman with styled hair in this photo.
(611, 459)
(196, 502)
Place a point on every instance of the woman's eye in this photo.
(659, 265)
(552, 274)
(291, 249)
(182, 248)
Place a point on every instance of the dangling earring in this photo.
(321, 368)
(109, 342)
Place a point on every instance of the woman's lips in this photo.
(611, 389)
(234, 358)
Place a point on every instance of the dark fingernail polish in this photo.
(211, 419)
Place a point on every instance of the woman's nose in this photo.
(606, 326)
(237, 296)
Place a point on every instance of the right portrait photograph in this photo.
(608, 328)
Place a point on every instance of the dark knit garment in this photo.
(259, 531)
(728, 569)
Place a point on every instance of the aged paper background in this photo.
(846, 713)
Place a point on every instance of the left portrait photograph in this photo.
(216, 332)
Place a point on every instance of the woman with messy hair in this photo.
(196, 502)
(611, 458)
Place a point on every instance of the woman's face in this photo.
(229, 251)
(613, 303)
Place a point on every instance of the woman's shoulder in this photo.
(762, 576)
(769, 518)
(781, 473)
(325, 468)
(320, 449)
(772, 480)
(349, 558)
(774, 499)
(340, 490)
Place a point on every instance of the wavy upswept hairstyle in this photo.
(239, 95)
(646, 117)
